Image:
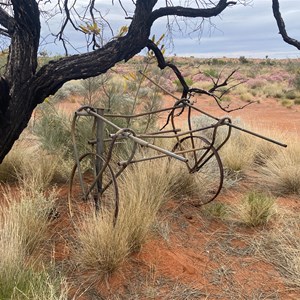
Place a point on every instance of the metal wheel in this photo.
(204, 164)
(98, 187)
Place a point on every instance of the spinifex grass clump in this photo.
(143, 190)
(216, 210)
(256, 209)
(24, 220)
(282, 170)
(281, 247)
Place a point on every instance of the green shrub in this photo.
(256, 209)
(216, 210)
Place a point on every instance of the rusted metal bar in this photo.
(158, 156)
(99, 151)
(241, 129)
(141, 114)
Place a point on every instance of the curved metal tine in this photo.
(219, 161)
(117, 199)
(106, 162)
(76, 166)
(124, 166)
(216, 126)
(216, 154)
(225, 121)
(76, 152)
(210, 147)
(191, 134)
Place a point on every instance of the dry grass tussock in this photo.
(281, 247)
(24, 219)
(239, 152)
(34, 165)
(255, 209)
(143, 190)
(281, 170)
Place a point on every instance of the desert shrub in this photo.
(28, 212)
(239, 152)
(25, 283)
(287, 103)
(211, 73)
(256, 209)
(28, 161)
(216, 210)
(69, 89)
(296, 81)
(273, 90)
(90, 90)
(53, 129)
(291, 95)
(247, 97)
(297, 101)
(243, 60)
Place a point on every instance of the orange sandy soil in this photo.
(196, 257)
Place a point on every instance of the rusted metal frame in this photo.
(136, 139)
(123, 167)
(158, 134)
(204, 159)
(99, 150)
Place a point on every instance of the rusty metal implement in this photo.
(97, 171)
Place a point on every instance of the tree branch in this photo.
(191, 12)
(281, 25)
(162, 64)
(53, 75)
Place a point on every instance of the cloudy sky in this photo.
(249, 31)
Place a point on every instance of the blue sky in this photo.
(249, 31)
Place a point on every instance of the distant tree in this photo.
(281, 25)
(23, 86)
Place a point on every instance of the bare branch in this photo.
(191, 12)
(281, 25)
